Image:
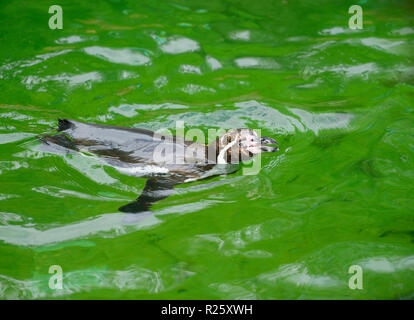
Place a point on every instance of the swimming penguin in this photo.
(165, 160)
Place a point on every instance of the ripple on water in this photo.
(335, 260)
(229, 291)
(132, 110)
(12, 165)
(138, 279)
(15, 136)
(243, 35)
(196, 88)
(256, 63)
(109, 225)
(42, 57)
(213, 63)
(64, 193)
(339, 30)
(71, 80)
(390, 46)
(122, 56)
(160, 82)
(71, 39)
(403, 31)
(391, 264)
(186, 68)
(237, 242)
(7, 217)
(299, 275)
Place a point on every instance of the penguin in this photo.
(165, 160)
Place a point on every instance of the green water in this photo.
(338, 193)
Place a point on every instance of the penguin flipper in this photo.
(156, 189)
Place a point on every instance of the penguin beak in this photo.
(267, 140)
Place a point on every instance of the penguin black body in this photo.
(165, 160)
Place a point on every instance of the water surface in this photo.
(338, 193)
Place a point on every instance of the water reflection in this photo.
(122, 56)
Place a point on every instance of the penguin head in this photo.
(238, 145)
